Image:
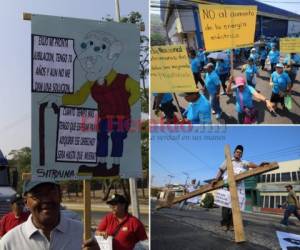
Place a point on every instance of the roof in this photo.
(261, 7)
(3, 160)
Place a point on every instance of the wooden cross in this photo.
(232, 179)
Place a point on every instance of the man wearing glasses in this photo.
(46, 227)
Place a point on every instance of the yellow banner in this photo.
(290, 45)
(227, 26)
(170, 70)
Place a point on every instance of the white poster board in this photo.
(288, 240)
(105, 244)
(222, 198)
(89, 68)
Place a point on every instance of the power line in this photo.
(160, 165)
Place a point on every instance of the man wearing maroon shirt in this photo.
(126, 229)
(16, 217)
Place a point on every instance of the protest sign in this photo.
(289, 45)
(52, 64)
(288, 240)
(85, 99)
(227, 26)
(104, 244)
(170, 70)
(222, 198)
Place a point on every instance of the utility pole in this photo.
(187, 177)
(171, 177)
(132, 181)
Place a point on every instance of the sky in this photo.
(198, 152)
(290, 5)
(15, 50)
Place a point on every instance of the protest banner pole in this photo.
(231, 62)
(132, 181)
(87, 209)
(239, 234)
(177, 106)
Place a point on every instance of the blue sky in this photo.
(15, 49)
(199, 153)
(291, 5)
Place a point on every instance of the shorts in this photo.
(275, 98)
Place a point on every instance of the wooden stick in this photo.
(87, 209)
(207, 188)
(27, 16)
(239, 234)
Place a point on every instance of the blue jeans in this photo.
(215, 103)
(118, 129)
(291, 209)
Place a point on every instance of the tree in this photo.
(20, 160)
(158, 39)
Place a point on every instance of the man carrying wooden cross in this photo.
(239, 166)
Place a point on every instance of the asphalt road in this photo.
(264, 117)
(200, 229)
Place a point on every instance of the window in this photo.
(285, 177)
(277, 201)
(263, 178)
(268, 178)
(273, 178)
(294, 176)
(271, 201)
(298, 173)
(278, 177)
(283, 199)
(266, 201)
(262, 201)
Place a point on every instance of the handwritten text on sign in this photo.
(227, 26)
(223, 198)
(170, 70)
(52, 64)
(290, 45)
(77, 135)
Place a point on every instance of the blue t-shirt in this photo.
(166, 97)
(280, 81)
(274, 56)
(199, 112)
(195, 65)
(254, 56)
(250, 71)
(246, 98)
(295, 58)
(263, 54)
(221, 68)
(212, 82)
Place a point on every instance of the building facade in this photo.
(183, 26)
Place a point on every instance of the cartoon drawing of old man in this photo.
(114, 94)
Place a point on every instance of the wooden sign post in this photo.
(87, 209)
(239, 234)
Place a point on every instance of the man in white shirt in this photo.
(239, 166)
(46, 228)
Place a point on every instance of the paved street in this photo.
(264, 116)
(199, 229)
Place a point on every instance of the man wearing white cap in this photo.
(281, 85)
(46, 228)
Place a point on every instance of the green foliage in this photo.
(208, 201)
(157, 39)
(21, 160)
(145, 144)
